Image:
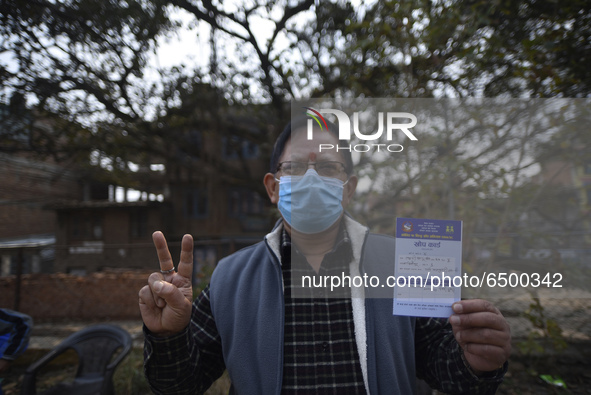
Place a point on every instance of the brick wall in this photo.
(117, 247)
(104, 295)
(26, 187)
(110, 256)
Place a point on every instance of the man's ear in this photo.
(349, 190)
(272, 187)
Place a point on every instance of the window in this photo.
(86, 226)
(191, 145)
(196, 203)
(234, 147)
(243, 201)
(138, 223)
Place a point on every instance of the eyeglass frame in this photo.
(344, 169)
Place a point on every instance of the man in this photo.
(274, 336)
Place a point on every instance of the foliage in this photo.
(467, 48)
(81, 66)
(129, 377)
(72, 77)
(202, 279)
(547, 334)
(79, 59)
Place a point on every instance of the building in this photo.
(27, 185)
(215, 194)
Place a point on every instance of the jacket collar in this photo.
(354, 231)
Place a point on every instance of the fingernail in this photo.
(157, 286)
(457, 308)
(454, 320)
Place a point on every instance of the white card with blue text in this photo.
(428, 267)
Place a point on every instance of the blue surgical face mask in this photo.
(310, 203)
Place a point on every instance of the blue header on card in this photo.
(432, 229)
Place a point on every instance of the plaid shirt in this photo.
(320, 352)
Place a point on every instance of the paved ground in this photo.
(46, 336)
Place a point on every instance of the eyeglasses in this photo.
(326, 169)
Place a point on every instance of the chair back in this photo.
(100, 349)
(96, 346)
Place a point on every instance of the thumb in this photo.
(157, 287)
(169, 292)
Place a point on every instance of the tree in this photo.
(79, 58)
(461, 48)
(69, 68)
(82, 64)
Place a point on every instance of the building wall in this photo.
(116, 247)
(25, 188)
(221, 200)
(215, 194)
(105, 295)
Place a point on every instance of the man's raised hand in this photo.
(165, 303)
(483, 333)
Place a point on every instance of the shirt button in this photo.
(325, 346)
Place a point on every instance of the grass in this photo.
(128, 379)
(573, 367)
(129, 376)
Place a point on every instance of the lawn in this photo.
(572, 366)
(128, 380)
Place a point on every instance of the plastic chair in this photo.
(95, 345)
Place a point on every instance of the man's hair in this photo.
(299, 124)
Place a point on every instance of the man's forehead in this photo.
(301, 148)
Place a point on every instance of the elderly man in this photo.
(275, 337)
